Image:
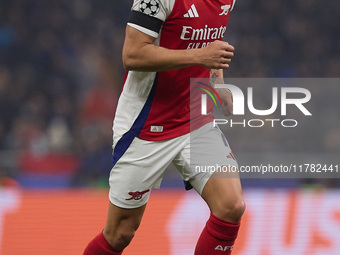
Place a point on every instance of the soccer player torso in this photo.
(195, 24)
(156, 105)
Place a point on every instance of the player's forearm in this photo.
(216, 77)
(140, 54)
(152, 58)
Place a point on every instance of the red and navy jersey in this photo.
(156, 105)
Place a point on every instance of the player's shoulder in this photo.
(148, 15)
(160, 9)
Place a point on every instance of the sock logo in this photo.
(225, 248)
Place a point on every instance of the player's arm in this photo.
(140, 54)
(216, 77)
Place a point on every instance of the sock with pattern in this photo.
(218, 237)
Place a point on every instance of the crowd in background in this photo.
(61, 71)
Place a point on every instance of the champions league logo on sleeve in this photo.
(149, 7)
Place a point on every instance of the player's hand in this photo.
(217, 55)
(227, 101)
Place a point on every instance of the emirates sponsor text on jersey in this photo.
(202, 34)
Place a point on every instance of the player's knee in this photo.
(120, 238)
(238, 209)
(124, 237)
(231, 210)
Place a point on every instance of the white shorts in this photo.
(139, 165)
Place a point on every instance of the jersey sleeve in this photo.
(148, 16)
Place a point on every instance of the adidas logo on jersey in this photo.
(192, 12)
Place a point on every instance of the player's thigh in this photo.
(210, 167)
(207, 154)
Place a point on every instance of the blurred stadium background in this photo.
(60, 77)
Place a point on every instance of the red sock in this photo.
(218, 237)
(99, 246)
